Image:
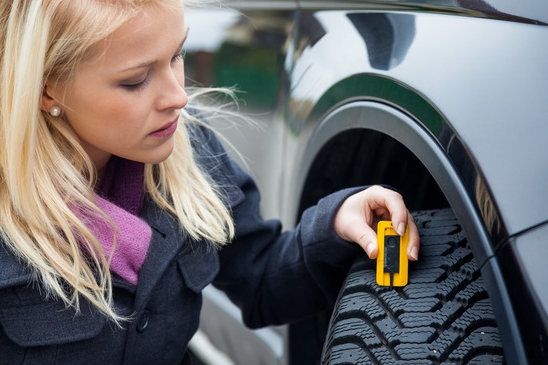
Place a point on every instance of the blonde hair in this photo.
(45, 175)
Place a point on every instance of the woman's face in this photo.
(125, 100)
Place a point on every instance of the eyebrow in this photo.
(151, 63)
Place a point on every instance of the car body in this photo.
(446, 100)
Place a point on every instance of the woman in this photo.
(114, 196)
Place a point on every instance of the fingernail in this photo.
(401, 229)
(415, 253)
(369, 249)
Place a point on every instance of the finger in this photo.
(414, 240)
(400, 217)
(368, 241)
(389, 204)
(398, 213)
(353, 228)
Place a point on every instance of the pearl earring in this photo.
(55, 111)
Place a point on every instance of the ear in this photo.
(48, 101)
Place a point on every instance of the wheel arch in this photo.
(376, 117)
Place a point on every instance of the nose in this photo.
(173, 94)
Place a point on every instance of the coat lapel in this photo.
(167, 240)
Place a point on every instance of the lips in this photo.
(166, 131)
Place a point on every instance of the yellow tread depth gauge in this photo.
(392, 263)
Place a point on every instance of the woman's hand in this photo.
(357, 218)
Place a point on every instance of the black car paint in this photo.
(468, 79)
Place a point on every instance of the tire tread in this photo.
(443, 316)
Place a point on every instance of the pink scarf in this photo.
(121, 197)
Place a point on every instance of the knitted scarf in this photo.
(121, 196)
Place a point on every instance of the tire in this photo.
(443, 315)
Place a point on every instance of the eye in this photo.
(136, 86)
(180, 56)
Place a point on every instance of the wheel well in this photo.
(358, 157)
(364, 157)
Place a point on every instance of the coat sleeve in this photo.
(277, 277)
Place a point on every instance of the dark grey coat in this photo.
(273, 277)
